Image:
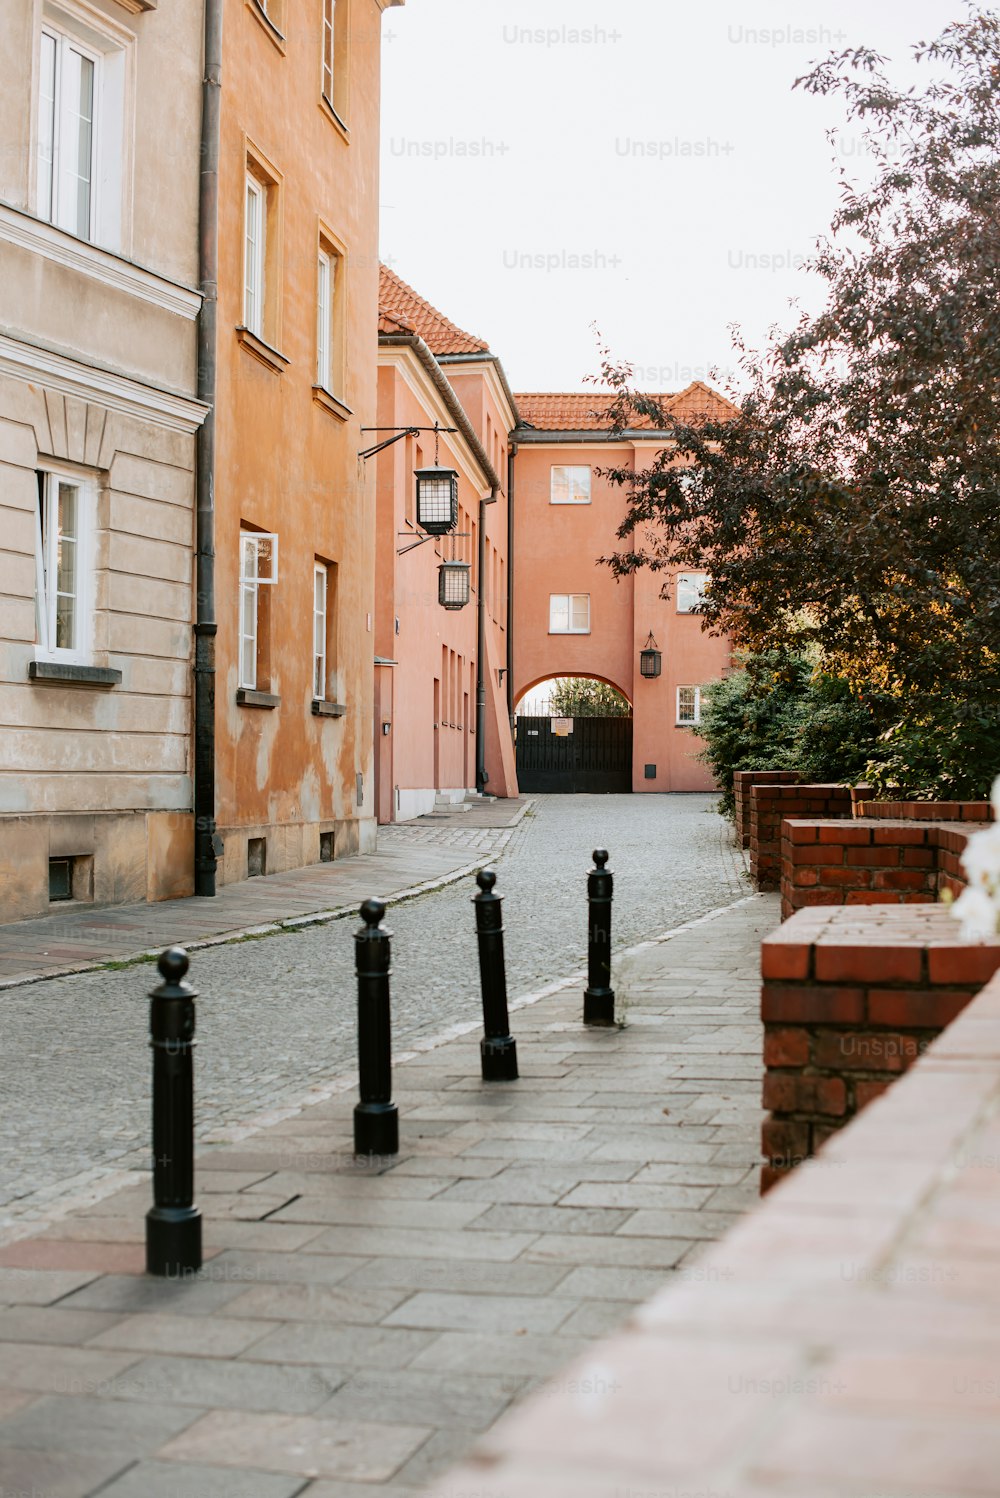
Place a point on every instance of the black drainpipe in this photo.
(207, 844)
(511, 455)
(481, 776)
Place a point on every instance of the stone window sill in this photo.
(330, 403)
(73, 676)
(261, 350)
(323, 709)
(335, 120)
(247, 697)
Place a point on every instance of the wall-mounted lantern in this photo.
(650, 659)
(437, 500)
(453, 585)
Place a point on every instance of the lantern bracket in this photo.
(369, 452)
(402, 550)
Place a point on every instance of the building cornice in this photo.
(495, 372)
(44, 239)
(539, 437)
(426, 360)
(38, 365)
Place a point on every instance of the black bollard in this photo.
(173, 1223)
(498, 1047)
(599, 996)
(376, 1117)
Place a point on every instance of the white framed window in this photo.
(64, 519)
(319, 631)
(253, 255)
(258, 566)
(569, 485)
(690, 591)
(569, 613)
(689, 704)
(329, 43)
(334, 57)
(81, 154)
(326, 292)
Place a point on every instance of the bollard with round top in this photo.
(599, 996)
(498, 1049)
(376, 1117)
(173, 1223)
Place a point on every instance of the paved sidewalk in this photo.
(355, 1328)
(411, 857)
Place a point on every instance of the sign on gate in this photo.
(562, 726)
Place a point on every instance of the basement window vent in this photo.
(60, 878)
(650, 772)
(256, 856)
(326, 847)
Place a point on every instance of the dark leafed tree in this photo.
(583, 697)
(852, 504)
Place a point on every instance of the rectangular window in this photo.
(329, 18)
(319, 631)
(689, 704)
(67, 133)
(334, 56)
(325, 272)
(82, 147)
(569, 485)
(62, 521)
(258, 566)
(690, 591)
(569, 613)
(253, 255)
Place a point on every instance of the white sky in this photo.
(496, 148)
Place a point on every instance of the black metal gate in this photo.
(574, 754)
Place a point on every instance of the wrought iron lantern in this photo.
(453, 585)
(650, 659)
(437, 500)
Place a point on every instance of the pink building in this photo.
(448, 680)
(442, 726)
(571, 616)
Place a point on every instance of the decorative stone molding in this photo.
(42, 366)
(62, 248)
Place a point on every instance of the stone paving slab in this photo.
(410, 857)
(360, 1337)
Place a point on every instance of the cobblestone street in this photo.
(277, 1014)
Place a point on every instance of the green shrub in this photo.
(778, 713)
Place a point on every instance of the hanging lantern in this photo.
(453, 585)
(650, 659)
(437, 500)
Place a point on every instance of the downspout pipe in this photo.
(511, 455)
(207, 844)
(481, 776)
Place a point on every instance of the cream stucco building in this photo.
(99, 185)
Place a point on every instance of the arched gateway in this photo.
(574, 734)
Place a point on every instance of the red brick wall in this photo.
(926, 811)
(850, 999)
(770, 805)
(869, 862)
(743, 780)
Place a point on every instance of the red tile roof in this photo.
(401, 310)
(552, 412)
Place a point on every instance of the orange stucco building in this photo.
(572, 617)
(442, 728)
(294, 507)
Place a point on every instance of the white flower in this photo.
(978, 915)
(978, 906)
(981, 858)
